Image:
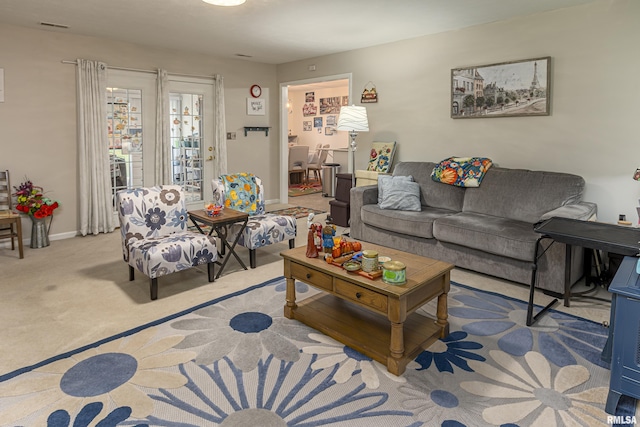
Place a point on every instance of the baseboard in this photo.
(6, 243)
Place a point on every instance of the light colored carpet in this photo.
(237, 361)
(77, 291)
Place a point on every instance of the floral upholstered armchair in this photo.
(244, 192)
(155, 239)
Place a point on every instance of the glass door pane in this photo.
(186, 112)
(124, 122)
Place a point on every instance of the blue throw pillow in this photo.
(402, 196)
(386, 181)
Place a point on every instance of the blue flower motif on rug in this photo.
(112, 372)
(242, 329)
(87, 416)
(276, 393)
(348, 362)
(528, 388)
(452, 350)
(505, 318)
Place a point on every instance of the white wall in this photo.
(593, 127)
(38, 118)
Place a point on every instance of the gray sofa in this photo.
(488, 229)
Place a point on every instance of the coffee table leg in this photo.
(291, 298)
(443, 315)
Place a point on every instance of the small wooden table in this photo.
(220, 224)
(370, 316)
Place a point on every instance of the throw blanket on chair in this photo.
(242, 192)
(461, 171)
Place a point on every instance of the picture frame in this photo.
(330, 105)
(328, 131)
(317, 122)
(256, 106)
(331, 120)
(306, 126)
(309, 97)
(507, 89)
(309, 110)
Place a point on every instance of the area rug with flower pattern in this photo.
(236, 361)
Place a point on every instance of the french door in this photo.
(131, 119)
(191, 134)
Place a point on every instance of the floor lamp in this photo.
(353, 119)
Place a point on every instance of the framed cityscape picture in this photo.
(507, 89)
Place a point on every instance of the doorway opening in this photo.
(309, 115)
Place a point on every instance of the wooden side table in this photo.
(220, 224)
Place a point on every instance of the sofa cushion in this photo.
(500, 236)
(433, 194)
(522, 195)
(419, 224)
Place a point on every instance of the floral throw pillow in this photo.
(461, 171)
(381, 156)
(242, 192)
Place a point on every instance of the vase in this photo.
(39, 233)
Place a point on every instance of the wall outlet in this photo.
(231, 135)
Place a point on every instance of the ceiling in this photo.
(267, 31)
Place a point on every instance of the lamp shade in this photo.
(353, 118)
(225, 2)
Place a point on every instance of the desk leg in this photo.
(567, 277)
(531, 319)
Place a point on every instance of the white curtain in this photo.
(220, 137)
(163, 141)
(96, 200)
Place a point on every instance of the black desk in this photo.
(587, 234)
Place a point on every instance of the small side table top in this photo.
(227, 216)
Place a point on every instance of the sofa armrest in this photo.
(583, 211)
(358, 197)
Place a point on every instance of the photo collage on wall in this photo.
(330, 106)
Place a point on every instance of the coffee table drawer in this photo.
(311, 276)
(365, 296)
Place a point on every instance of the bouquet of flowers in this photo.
(32, 202)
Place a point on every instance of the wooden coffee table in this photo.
(370, 316)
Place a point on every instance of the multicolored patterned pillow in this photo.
(242, 192)
(381, 156)
(461, 171)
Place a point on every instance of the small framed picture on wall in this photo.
(306, 126)
(317, 122)
(256, 107)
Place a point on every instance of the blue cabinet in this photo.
(624, 335)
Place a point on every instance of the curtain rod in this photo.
(138, 70)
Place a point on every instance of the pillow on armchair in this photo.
(381, 156)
